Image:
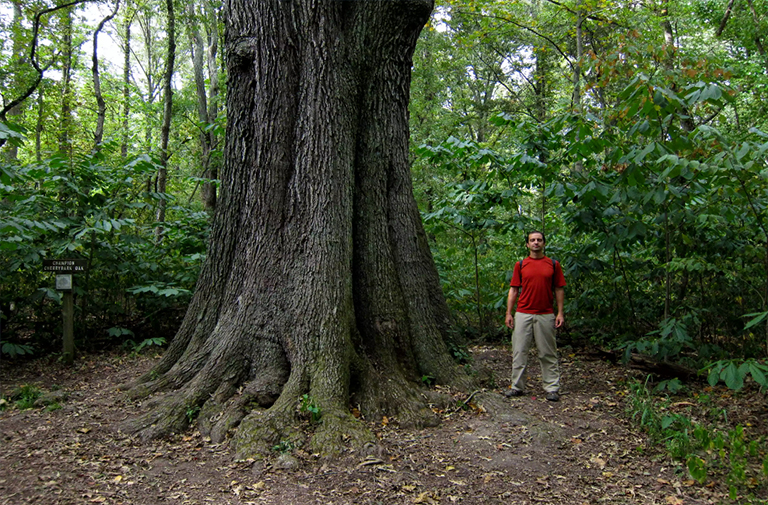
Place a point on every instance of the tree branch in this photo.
(33, 57)
(724, 21)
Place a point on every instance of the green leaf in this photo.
(733, 379)
(757, 374)
(760, 316)
(697, 468)
(714, 374)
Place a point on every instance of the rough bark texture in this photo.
(319, 279)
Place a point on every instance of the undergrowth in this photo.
(700, 439)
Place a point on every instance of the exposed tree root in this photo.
(339, 432)
(260, 431)
(171, 415)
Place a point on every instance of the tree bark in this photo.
(318, 279)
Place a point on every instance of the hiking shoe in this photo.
(509, 393)
(553, 396)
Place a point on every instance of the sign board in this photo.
(66, 266)
(64, 282)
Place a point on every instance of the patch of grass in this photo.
(24, 396)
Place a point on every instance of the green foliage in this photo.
(651, 189)
(96, 208)
(14, 350)
(308, 406)
(674, 386)
(706, 450)
(192, 412)
(662, 344)
(24, 396)
(283, 447)
(147, 342)
(697, 468)
(733, 372)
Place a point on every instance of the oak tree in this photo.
(318, 280)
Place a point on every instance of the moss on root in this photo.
(340, 433)
(260, 431)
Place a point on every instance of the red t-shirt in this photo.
(536, 295)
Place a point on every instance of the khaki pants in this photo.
(541, 328)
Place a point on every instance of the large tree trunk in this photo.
(318, 279)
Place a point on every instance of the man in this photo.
(535, 318)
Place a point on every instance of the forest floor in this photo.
(579, 450)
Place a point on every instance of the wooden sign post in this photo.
(64, 269)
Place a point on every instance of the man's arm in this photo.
(560, 298)
(511, 298)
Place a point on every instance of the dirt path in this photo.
(529, 451)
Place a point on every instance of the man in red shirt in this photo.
(539, 283)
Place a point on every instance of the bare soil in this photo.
(579, 450)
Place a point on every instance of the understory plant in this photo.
(699, 438)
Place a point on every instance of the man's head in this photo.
(535, 241)
(533, 234)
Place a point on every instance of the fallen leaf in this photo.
(597, 460)
(117, 479)
(674, 500)
(425, 497)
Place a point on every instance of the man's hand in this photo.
(510, 321)
(559, 320)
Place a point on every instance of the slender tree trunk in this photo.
(126, 81)
(65, 121)
(577, 99)
(18, 54)
(667, 260)
(165, 131)
(206, 135)
(318, 279)
(209, 188)
(100, 103)
(758, 39)
(40, 123)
